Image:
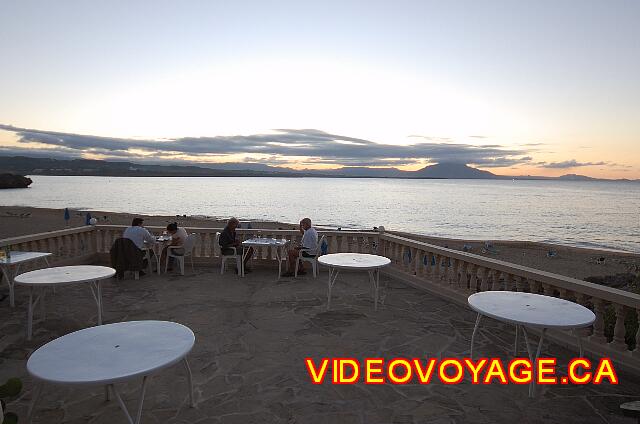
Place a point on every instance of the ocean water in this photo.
(586, 214)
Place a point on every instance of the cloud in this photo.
(314, 145)
(572, 163)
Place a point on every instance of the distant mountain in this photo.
(575, 177)
(47, 166)
(44, 166)
(452, 170)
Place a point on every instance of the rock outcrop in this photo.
(14, 181)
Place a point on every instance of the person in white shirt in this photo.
(138, 234)
(308, 246)
(178, 237)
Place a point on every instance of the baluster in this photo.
(543, 289)
(636, 351)
(92, 241)
(371, 243)
(388, 250)
(452, 270)
(618, 341)
(439, 270)
(107, 242)
(396, 253)
(598, 326)
(99, 241)
(563, 293)
(66, 246)
(382, 247)
(333, 244)
(433, 266)
(462, 275)
(344, 244)
(494, 280)
(484, 275)
(519, 283)
(206, 245)
(473, 278)
(413, 262)
(51, 243)
(82, 242)
(583, 300)
(355, 248)
(429, 266)
(421, 268)
(77, 251)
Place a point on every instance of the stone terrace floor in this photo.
(253, 334)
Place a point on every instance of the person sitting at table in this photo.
(140, 236)
(228, 241)
(178, 237)
(308, 246)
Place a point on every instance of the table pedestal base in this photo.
(534, 360)
(10, 276)
(111, 388)
(96, 292)
(374, 279)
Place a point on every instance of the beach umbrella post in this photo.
(67, 216)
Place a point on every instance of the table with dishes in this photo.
(10, 266)
(39, 280)
(155, 250)
(278, 245)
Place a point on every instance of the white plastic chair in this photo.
(224, 258)
(312, 259)
(187, 247)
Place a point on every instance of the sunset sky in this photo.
(514, 87)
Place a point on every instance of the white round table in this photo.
(358, 262)
(110, 354)
(18, 258)
(257, 242)
(52, 277)
(530, 310)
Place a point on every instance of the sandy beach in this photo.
(616, 267)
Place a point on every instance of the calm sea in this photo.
(603, 214)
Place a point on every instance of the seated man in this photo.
(139, 235)
(308, 246)
(178, 237)
(228, 240)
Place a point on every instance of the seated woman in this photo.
(228, 240)
(178, 237)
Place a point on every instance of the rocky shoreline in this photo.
(14, 181)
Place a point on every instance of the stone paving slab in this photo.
(252, 335)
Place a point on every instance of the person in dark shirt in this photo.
(228, 241)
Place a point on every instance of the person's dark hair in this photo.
(172, 227)
(137, 222)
